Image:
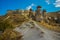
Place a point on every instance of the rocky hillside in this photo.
(55, 14)
(14, 19)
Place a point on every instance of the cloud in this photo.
(57, 3)
(57, 0)
(30, 6)
(47, 1)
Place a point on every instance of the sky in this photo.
(48, 5)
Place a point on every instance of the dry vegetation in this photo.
(9, 34)
(7, 24)
(51, 27)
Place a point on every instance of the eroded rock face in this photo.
(32, 31)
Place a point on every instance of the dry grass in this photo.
(50, 27)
